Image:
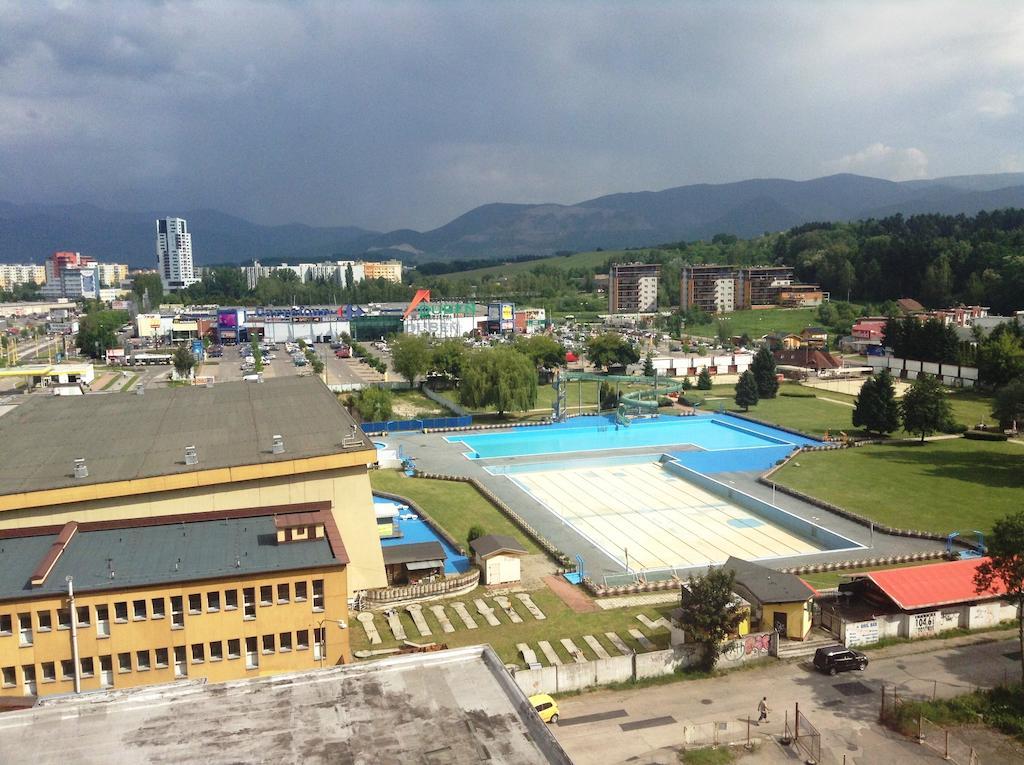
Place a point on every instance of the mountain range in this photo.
(28, 233)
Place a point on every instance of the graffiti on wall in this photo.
(750, 647)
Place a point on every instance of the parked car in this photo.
(546, 707)
(343, 352)
(838, 658)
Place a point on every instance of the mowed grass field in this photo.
(941, 486)
(757, 323)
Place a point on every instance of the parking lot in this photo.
(228, 367)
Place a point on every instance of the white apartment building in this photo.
(174, 254)
(307, 272)
(12, 274)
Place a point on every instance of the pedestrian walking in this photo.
(762, 710)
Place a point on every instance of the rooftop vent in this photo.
(191, 455)
(277, 445)
(81, 471)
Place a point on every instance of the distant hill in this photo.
(635, 219)
(31, 232)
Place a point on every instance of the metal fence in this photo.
(930, 735)
(395, 426)
(804, 736)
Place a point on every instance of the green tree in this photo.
(607, 397)
(1008, 406)
(746, 391)
(499, 377)
(411, 356)
(765, 373)
(610, 348)
(257, 355)
(97, 332)
(924, 408)
(448, 357)
(475, 532)
(876, 409)
(183, 361)
(543, 350)
(649, 364)
(710, 612)
(1000, 359)
(1005, 567)
(704, 379)
(374, 404)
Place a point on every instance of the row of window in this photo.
(155, 608)
(145, 660)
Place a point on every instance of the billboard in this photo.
(231, 318)
(197, 349)
(501, 317)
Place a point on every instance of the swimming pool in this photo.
(414, 529)
(587, 434)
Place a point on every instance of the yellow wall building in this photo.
(219, 596)
(134, 464)
(780, 601)
(390, 270)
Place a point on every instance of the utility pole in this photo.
(74, 633)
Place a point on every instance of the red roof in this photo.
(936, 584)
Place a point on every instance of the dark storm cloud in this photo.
(406, 114)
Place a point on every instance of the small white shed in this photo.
(498, 557)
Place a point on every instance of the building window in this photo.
(5, 627)
(124, 662)
(266, 595)
(230, 600)
(234, 648)
(195, 603)
(121, 612)
(161, 658)
(102, 621)
(44, 620)
(63, 619)
(318, 594)
(24, 629)
(198, 653)
(285, 641)
(213, 601)
(83, 616)
(87, 666)
(268, 644)
(9, 678)
(67, 669)
(252, 659)
(180, 668)
(282, 593)
(106, 672)
(177, 616)
(300, 592)
(302, 640)
(138, 610)
(142, 661)
(49, 672)
(157, 608)
(249, 603)
(216, 650)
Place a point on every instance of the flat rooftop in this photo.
(117, 555)
(444, 708)
(124, 437)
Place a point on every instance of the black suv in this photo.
(838, 658)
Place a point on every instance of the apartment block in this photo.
(13, 274)
(217, 596)
(717, 288)
(633, 288)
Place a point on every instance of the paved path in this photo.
(506, 606)
(619, 643)
(487, 612)
(532, 607)
(366, 618)
(648, 599)
(549, 653)
(469, 621)
(641, 638)
(574, 652)
(416, 612)
(843, 708)
(596, 647)
(837, 401)
(442, 618)
(396, 626)
(570, 594)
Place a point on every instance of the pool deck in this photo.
(433, 454)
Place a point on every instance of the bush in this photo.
(793, 393)
(665, 401)
(475, 532)
(986, 435)
(374, 404)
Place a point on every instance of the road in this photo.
(843, 708)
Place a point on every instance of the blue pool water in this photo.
(419, 531)
(586, 434)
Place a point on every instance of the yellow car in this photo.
(546, 707)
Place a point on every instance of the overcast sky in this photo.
(394, 114)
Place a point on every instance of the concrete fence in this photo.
(445, 587)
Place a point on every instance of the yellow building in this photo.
(191, 450)
(778, 601)
(390, 270)
(13, 274)
(218, 596)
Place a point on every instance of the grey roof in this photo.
(491, 544)
(455, 706)
(156, 554)
(413, 553)
(767, 584)
(124, 436)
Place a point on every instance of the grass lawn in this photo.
(561, 622)
(456, 506)
(825, 579)
(941, 486)
(409, 404)
(757, 323)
